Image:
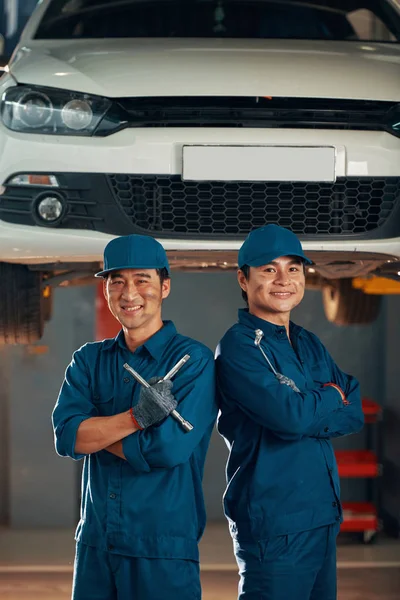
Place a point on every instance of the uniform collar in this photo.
(155, 346)
(269, 329)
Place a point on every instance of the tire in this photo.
(21, 305)
(345, 305)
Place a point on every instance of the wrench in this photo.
(185, 424)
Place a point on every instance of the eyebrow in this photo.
(294, 261)
(116, 275)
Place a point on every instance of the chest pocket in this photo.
(104, 404)
(320, 372)
(102, 397)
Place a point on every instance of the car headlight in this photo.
(31, 109)
(393, 120)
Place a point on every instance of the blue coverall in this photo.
(283, 498)
(141, 518)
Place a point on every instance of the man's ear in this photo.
(165, 288)
(242, 280)
(105, 288)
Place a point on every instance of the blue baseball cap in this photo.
(133, 252)
(267, 243)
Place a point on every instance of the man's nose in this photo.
(282, 278)
(129, 291)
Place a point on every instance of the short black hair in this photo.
(246, 272)
(163, 274)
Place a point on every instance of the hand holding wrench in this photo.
(185, 424)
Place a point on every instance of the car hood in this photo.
(187, 67)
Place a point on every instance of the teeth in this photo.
(132, 308)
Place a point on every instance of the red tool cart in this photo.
(363, 517)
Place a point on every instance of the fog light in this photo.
(50, 208)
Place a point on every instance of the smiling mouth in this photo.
(132, 310)
(282, 294)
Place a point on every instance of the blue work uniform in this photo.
(283, 482)
(139, 512)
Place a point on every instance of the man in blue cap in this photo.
(282, 400)
(142, 511)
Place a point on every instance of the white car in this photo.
(195, 121)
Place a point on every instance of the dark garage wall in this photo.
(43, 487)
(4, 436)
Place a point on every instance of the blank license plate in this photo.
(258, 163)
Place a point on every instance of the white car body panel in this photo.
(159, 151)
(179, 67)
(34, 245)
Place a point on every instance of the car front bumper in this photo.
(207, 226)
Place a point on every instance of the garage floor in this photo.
(37, 565)
(354, 584)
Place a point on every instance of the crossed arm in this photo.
(317, 412)
(79, 431)
(104, 433)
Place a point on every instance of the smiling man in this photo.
(142, 512)
(281, 399)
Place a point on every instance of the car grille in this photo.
(168, 205)
(305, 113)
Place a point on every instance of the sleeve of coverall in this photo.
(167, 445)
(74, 405)
(245, 379)
(350, 418)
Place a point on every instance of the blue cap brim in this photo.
(107, 271)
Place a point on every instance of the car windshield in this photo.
(366, 20)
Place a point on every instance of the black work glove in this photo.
(155, 403)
